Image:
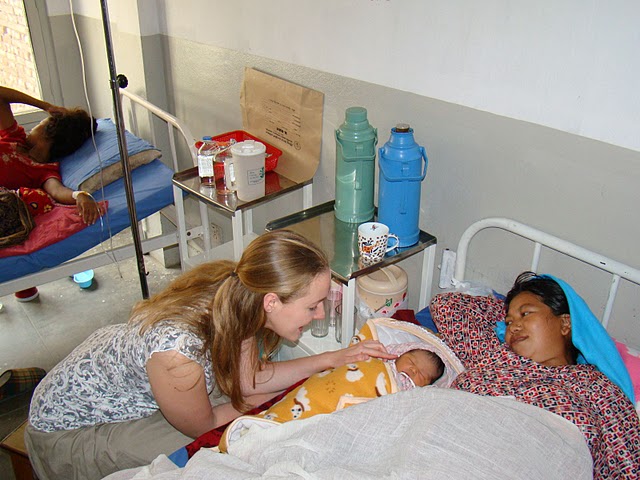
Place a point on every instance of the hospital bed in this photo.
(430, 432)
(153, 192)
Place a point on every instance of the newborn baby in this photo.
(423, 359)
(337, 388)
(415, 366)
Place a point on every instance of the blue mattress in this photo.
(152, 190)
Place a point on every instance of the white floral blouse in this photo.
(104, 379)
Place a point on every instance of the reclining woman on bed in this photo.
(556, 356)
(29, 162)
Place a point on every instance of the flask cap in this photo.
(356, 114)
(356, 125)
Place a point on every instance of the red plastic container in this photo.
(273, 154)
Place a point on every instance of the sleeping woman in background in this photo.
(555, 355)
(29, 161)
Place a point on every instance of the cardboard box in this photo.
(286, 115)
(14, 445)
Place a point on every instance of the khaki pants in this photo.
(94, 452)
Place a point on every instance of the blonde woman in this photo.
(133, 391)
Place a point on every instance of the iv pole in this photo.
(116, 82)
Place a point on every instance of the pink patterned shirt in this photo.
(579, 393)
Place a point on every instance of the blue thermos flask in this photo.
(403, 166)
(356, 143)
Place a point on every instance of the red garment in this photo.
(212, 437)
(62, 222)
(37, 200)
(579, 393)
(406, 316)
(16, 168)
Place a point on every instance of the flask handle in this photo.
(417, 178)
(348, 158)
(404, 200)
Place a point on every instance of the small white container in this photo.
(382, 293)
(247, 162)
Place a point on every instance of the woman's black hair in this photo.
(69, 131)
(548, 290)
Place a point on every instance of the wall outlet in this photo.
(447, 268)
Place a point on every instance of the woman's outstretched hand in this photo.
(361, 352)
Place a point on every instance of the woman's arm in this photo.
(224, 413)
(276, 376)
(88, 209)
(619, 425)
(9, 96)
(466, 323)
(178, 385)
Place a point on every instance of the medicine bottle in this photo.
(206, 156)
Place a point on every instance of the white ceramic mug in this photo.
(247, 165)
(373, 242)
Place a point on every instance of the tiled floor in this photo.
(42, 332)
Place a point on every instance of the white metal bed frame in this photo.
(174, 126)
(616, 269)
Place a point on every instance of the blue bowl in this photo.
(84, 279)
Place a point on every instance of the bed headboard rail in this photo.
(539, 238)
(173, 124)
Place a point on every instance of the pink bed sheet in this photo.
(51, 227)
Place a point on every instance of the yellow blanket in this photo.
(334, 389)
(337, 388)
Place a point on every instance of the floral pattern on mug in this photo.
(372, 242)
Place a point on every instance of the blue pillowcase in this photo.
(84, 162)
(425, 319)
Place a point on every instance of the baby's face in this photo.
(419, 366)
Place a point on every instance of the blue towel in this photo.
(180, 457)
(591, 339)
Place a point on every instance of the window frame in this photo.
(45, 59)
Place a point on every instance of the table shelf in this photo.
(339, 240)
(238, 210)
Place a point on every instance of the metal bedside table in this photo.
(239, 211)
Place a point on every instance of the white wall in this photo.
(567, 64)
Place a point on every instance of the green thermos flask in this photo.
(356, 143)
